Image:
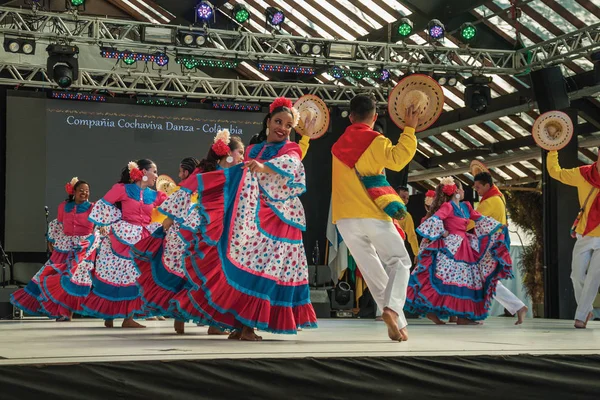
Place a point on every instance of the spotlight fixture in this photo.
(468, 32)
(357, 74)
(62, 65)
(192, 39)
(342, 51)
(446, 79)
(77, 3)
(205, 11)
(385, 75)
(19, 45)
(275, 17)
(435, 30)
(405, 27)
(305, 48)
(131, 57)
(478, 95)
(240, 13)
(191, 62)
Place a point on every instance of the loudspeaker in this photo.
(319, 275)
(320, 302)
(550, 89)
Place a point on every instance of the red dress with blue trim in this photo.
(75, 245)
(160, 257)
(245, 259)
(115, 293)
(457, 275)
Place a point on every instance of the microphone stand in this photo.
(48, 254)
(5, 261)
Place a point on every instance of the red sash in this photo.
(592, 176)
(353, 143)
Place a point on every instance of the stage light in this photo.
(288, 69)
(160, 35)
(19, 45)
(452, 80)
(385, 75)
(232, 106)
(448, 79)
(192, 39)
(343, 51)
(468, 32)
(275, 16)
(161, 59)
(78, 96)
(77, 3)
(442, 80)
(305, 48)
(358, 74)
(62, 65)
(205, 10)
(435, 30)
(191, 62)
(160, 101)
(240, 13)
(405, 27)
(343, 293)
(131, 57)
(478, 94)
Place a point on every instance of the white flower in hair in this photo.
(448, 180)
(223, 135)
(296, 116)
(132, 165)
(74, 180)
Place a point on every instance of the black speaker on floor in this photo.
(320, 302)
(550, 89)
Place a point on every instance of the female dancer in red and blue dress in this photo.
(457, 272)
(72, 240)
(127, 208)
(245, 256)
(159, 258)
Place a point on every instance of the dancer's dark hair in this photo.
(143, 164)
(71, 197)
(210, 162)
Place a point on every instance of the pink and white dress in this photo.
(75, 244)
(245, 259)
(457, 275)
(127, 209)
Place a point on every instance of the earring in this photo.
(229, 159)
(457, 196)
(267, 132)
(145, 178)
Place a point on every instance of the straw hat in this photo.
(312, 107)
(421, 91)
(552, 130)
(165, 184)
(478, 167)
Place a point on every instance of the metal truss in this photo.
(77, 29)
(154, 83)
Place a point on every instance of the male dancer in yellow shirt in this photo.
(369, 233)
(408, 224)
(585, 267)
(493, 204)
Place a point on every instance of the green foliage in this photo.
(526, 211)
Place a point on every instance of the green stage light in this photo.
(241, 13)
(468, 31)
(405, 27)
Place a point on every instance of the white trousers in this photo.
(382, 260)
(508, 299)
(585, 274)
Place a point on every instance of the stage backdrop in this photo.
(50, 141)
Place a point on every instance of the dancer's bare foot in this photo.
(581, 324)
(390, 318)
(130, 323)
(453, 319)
(249, 335)
(152, 319)
(379, 318)
(63, 319)
(108, 323)
(235, 335)
(404, 334)
(521, 315)
(160, 318)
(213, 330)
(436, 320)
(466, 321)
(179, 327)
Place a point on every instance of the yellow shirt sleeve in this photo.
(571, 177)
(304, 144)
(408, 226)
(394, 157)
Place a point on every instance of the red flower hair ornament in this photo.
(283, 102)
(221, 143)
(134, 171)
(70, 187)
(448, 186)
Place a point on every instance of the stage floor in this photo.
(34, 341)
